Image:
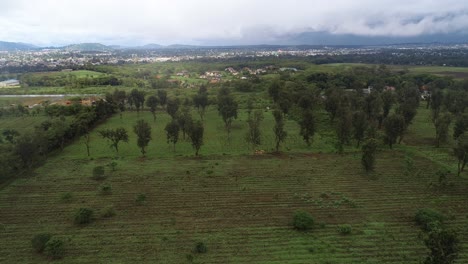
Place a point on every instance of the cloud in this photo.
(48, 22)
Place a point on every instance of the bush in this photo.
(345, 229)
(141, 198)
(66, 197)
(200, 247)
(108, 212)
(428, 219)
(106, 189)
(39, 242)
(303, 220)
(54, 248)
(83, 216)
(98, 173)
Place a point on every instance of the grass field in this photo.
(240, 205)
(77, 74)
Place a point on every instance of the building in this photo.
(9, 83)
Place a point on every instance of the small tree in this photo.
(307, 124)
(172, 107)
(360, 125)
(443, 246)
(343, 128)
(162, 96)
(54, 248)
(185, 120)
(254, 134)
(99, 173)
(39, 242)
(172, 132)
(115, 136)
(394, 127)
(200, 100)
(278, 129)
(152, 103)
(303, 221)
(83, 216)
(388, 99)
(143, 131)
(461, 152)
(368, 154)
(137, 98)
(460, 126)
(196, 136)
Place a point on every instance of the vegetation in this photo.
(303, 221)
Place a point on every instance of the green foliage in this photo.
(303, 221)
(172, 132)
(136, 98)
(152, 102)
(227, 107)
(162, 96)
(254, 134)
(394, 127)
(99, 173)
(172, 107)
(115, 136)
(200, 247)
(140, 199)
(196, 136)
(106, 189)
(345, 229)
(108, 212)
(428, 219)
(66, 197)
(461, 152)
(200, 100)
(443, 247)
(39, 242)
(360, 124)
(84, 216)
(278, 129)
(143, 131)
(369, 149)
(54, 248)
(307, 126)
(442, 124)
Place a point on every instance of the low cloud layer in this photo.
(58, 22)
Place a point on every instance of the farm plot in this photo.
(240, 207)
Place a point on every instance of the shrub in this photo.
(106, 189)
(54, 248)
(108, 212)
(83, 216)
(345, 229)
(303, 220)
(428, 219)
(66, 197)
(141, 198)
(39, 242)
(98, 173)
(200, 247)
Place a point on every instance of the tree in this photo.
(442, 124)
(307, 125)
(196, 136)
(443, 246)
(461, 152)
(461, 126)
(227, 108)
(26, 148)
(172, 107)
(115, 136)
(278, 129)
(368, 154)
(172, 132)
(388, 99)
(143, 131)
(10, 134)
(359, 123)
(119, 98)
(436, 100)
(373, 105)
(152, 103)
(254, 134)
(332, 102)
(343, 127)
(137, 98)
(162, 95)
(394, 127)
(200, 100)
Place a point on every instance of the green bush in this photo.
(345, 229)
(84, 216)
(108, 212)
(54, 248)
(39, 242)
(99, 173)
(106, 189)
(303, 220)
(428, 219)
(66, 197)
(141, 198)
(200, 247)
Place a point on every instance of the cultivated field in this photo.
(239, 204)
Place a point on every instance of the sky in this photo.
(206, 22)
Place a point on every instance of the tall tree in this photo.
(115, 136)
(442, 124)
(185, 120)
(307, 125)
(388, 99)
(172, 107)
(443, 245)
(369, 149)
(278, 129)
(436, 100)
(162, 96)
(196, 136)
(360, 124)
(254, 134)
(343, 128)
(394, 127)
(461, 152)
(143, 131)
(137, 97)
(172, 133)
(119, 98)
(152, 103)
(200, 100)
(227, 108)
(461, 126)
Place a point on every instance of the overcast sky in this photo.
(136, 22)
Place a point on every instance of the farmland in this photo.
(236, 199)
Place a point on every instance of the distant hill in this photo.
(88, 47)
(14, 46)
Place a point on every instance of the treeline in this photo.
(68, 80)
(20, 151)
